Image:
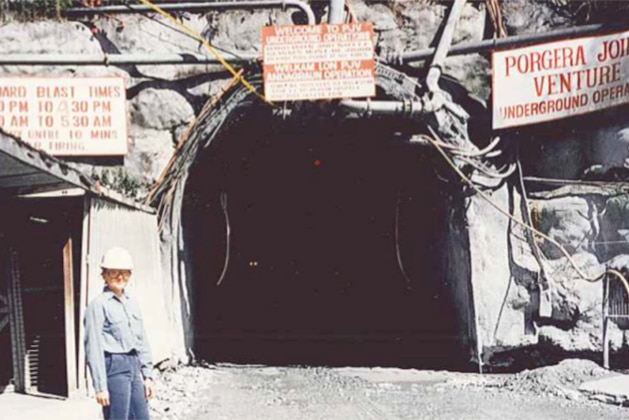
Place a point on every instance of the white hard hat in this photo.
(117, 258)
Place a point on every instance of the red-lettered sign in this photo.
(308, 62)
(560, 79)
(66, 115)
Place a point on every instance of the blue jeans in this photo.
(126, 388)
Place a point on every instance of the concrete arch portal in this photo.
(337, 249)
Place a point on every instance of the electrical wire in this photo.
(223, 199)
(479, 166)
(165, 203)
(539, 255)
(209, 47)
(418, 138)
(180, 32)
(478, 153)
(618, 275)
(398, 254)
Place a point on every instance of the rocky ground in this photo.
(245, 392)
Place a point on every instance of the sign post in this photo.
(310, 62)
(66, 116)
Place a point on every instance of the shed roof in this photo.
(26, 170)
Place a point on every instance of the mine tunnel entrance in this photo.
(335, 248)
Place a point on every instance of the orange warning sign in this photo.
(308, 62)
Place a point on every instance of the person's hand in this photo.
(102, 398)
(149, 392)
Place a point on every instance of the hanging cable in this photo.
(478, 153)
(397, 244)
(480, 167)
(186, 34)
(615, 273)
(184, 137)
(543, 278)
(223, 199)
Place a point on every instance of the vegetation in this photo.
(119, 180)
(34, 9)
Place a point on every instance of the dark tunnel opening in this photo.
(336, 241)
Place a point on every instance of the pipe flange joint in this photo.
(407, 108)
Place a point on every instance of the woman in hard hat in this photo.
(116, 347)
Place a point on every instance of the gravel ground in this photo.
(243, 392)
(561, 380)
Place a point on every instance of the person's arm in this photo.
(146, 363)
(94, 352)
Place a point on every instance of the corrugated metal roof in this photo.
(26, 170)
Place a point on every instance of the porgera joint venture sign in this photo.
(66, 115)
(308, 62)
(560, 79)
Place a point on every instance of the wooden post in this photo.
(85, 235)
(68, 299)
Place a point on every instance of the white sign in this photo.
(66, 115)
(560, 79)
(308, 62)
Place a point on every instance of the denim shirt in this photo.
(114, 325)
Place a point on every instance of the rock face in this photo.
(591, 226)
(571, 221)
(164, 99)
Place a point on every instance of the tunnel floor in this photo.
(335, 248)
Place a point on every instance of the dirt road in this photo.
(235, 392)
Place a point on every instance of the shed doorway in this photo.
(38, 239)
(335, 251)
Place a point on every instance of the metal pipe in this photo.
(487, 45)
(118, 59)
(335, 11)
(436, 67)
(195, 59)
(403, 108)
(197, 6)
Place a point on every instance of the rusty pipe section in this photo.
(197, 7)
(436, 66)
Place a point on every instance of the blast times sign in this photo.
(309, 62)
(560, 79)
(66, 115)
